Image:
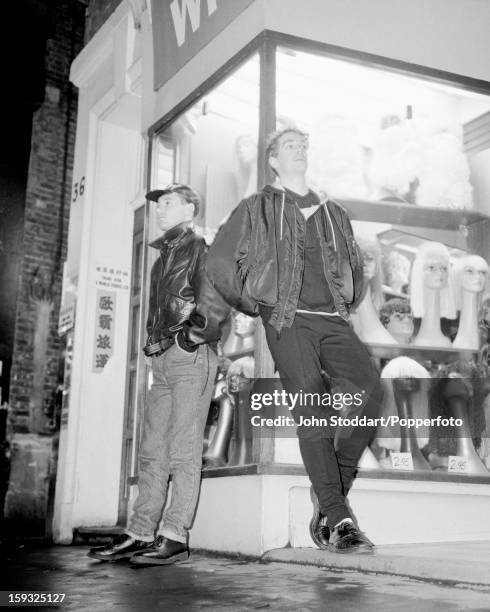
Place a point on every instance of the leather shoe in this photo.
(163, 551)
(347, 538)
(319, 530)
(122, 547)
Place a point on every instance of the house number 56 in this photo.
(78, 189)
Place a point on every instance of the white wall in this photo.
(109, 153)
(254, 514)
(449, 35)
(102, 394)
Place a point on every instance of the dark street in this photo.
(206, 582)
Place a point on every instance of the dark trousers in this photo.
(313, 344)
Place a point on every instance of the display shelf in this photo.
(421, 353)
(398, 213)
(290, 469)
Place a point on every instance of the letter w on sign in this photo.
(181, 8)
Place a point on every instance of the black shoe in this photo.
(319, 531)
(162, 552)
(346, 538)
(122, 547)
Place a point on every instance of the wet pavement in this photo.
(216, 583)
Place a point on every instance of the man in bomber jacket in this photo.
(292, 259)
(184, 324)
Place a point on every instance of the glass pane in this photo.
(165, 159)
(375, 134)
(410, 160)
(213, 146)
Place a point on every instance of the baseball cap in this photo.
(190, 195)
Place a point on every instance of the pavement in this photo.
(464, 563)
(207, 582)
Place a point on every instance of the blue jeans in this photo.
(172, 442)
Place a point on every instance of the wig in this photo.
(477, 392)
(401, 305)
(403, 367)
(396, 268)
(473, 261)
(426, 251)
(370, 247)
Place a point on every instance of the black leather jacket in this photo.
(257, 257)
(181, 296)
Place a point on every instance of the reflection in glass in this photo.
(213, 146)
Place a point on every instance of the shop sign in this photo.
(109, 277)
(105, 313)
(66, 319)
(181, 28)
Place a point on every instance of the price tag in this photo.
(401, 461)
(457, 463)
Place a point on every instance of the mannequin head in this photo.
(430, 272)
(242, 334)
(242, 325)
(371, 254)
(396, 315)
(435, 272)
(397, 270)
(469, 274)
(246, 150)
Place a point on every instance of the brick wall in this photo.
(45, 228)
(98, 11)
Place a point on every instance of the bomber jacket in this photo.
(257, 257)
(181, 297)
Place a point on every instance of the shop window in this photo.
(213, 146)
(410, 159)
(379, 135)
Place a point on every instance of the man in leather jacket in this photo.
(184, 323)
(288, 256)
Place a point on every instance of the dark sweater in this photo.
(315, 295)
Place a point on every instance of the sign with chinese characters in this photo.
(105, 313)
(112, 278)
(181, 28)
